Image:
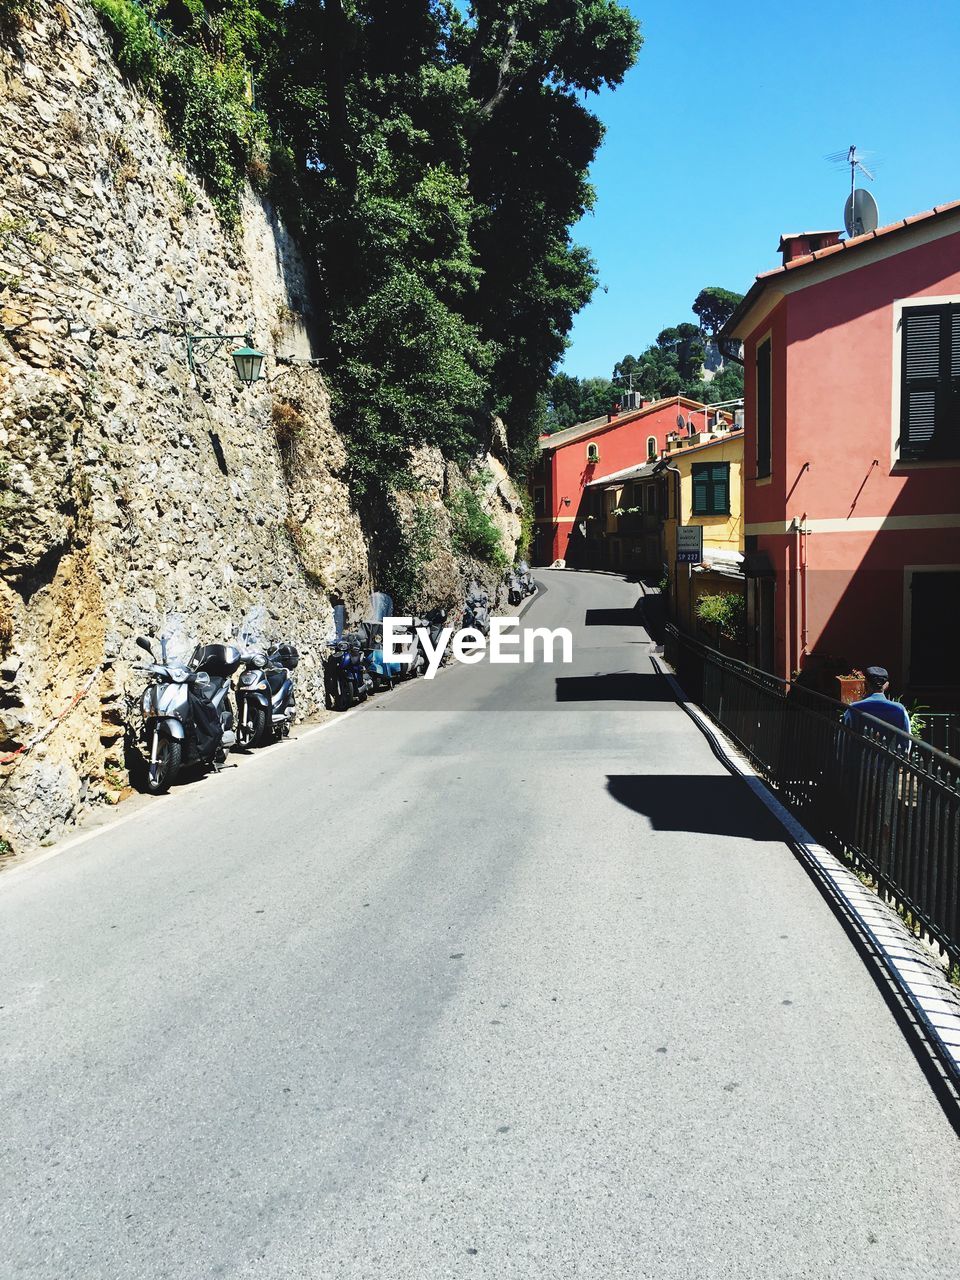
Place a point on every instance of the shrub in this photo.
(404, 570)
(474, 532)
(725, 611)
(137, 48)
(289, 425)
(205, 100)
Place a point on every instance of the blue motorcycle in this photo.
(345, 678)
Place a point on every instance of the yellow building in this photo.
(707, 472)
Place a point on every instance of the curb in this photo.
(932, 1003)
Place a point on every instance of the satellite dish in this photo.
(680, 423)
(860, 213)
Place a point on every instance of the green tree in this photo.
(572, 400)
(531, 144)
(714, 307)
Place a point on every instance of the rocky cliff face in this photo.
(132, 486)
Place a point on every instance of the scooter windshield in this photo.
(381, 606)
(339, 621)
(176, 641)
(252, 631)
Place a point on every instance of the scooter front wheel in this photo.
(260, 726)
(161, 773)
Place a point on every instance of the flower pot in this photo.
(851, 688)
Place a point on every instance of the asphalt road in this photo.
(501, 977)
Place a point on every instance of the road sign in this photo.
(689, 544)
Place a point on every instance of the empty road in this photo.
(503, 976)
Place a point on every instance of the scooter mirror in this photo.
(144, 643)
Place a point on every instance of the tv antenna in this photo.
(860, 214)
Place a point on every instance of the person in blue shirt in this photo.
(878, 705)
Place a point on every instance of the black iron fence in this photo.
(942, 730)
(887, 803)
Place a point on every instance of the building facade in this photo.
(702, 485)
(571, 459)
(852, 454)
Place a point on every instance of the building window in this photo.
(539, 500)
(652, 502)
(651, 448)
(764, 409)
(930, 382)
(711, 488)
(934, 616)
(593, 452)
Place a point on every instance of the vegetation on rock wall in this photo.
(433, 159)
(196, 68)
(474, 531)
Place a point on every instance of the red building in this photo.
(570, 459)
(852, 453)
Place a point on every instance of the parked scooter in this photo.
(520, 583)
(345, 678)
(266, 703)
(383, 674)
(476, 612)
(432, 623)
(219, 662)
(179, 724)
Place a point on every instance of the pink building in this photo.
(852, 453)
(571, 459)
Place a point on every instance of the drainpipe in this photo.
(676, 593)
(799, 591)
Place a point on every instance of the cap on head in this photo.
(877, 675)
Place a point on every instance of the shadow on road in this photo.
(720, 806)
(621, 686)
(615, 617)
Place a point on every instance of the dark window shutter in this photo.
(764, 409)
(930, 382)
(721, 488)
(701, 488)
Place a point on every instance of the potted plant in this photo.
(851, 687)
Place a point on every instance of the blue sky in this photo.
(715, 146)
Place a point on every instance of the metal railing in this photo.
(887, 803)
(942, 730)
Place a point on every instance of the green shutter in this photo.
(720, 486)
(701, 488)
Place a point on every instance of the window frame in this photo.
(593, 452)
(712, 485)
(935, 451)
(652, 440)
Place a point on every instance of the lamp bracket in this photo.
(195, 340)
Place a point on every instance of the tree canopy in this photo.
(434, 157)
(682, 361)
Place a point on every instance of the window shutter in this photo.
(922, 368)
(701, 489)
(930, 382)
(764, 409)
(721, 488)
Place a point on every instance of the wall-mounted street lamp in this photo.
(566, 502)
(247, 360)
